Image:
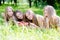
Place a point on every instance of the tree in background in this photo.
(0, 2)
(51, 2)
(43, 2)
(11, 1)
(36, 3)
(3, 1)
(58, 1)
(30, 3)
(39, 3)
(15, 2)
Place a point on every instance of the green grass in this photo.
(24, 33)
(9, 32)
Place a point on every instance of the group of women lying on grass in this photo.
(48, 20)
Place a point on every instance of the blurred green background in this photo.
(36, 5)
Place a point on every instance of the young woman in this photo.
(8, 15)
(19, 18)
(50, 17)
(31, 18)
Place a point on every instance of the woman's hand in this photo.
(23, 23)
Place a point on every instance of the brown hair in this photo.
(34, 20)
(17, 11)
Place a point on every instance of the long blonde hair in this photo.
(6, 15)
(52, 13)
(50, 10)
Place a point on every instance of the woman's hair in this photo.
(15, 12)
(30, 11)
(7, 8)
(34, 20)
(50, 10)
(6, 15)
(52, 14)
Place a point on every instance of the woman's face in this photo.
(19, 15)
(29, 16)
(46, 14)
(9, 12)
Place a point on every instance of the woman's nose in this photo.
(46, 15)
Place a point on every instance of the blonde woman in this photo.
(8, 15)
(50, 17)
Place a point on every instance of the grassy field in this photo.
(9, 32)
(24, 33)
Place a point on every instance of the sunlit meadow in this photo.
(10, 32)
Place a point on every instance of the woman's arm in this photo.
(33, 25)
(58, 21)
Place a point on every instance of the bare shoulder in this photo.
(57, 19)
(39, 17)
